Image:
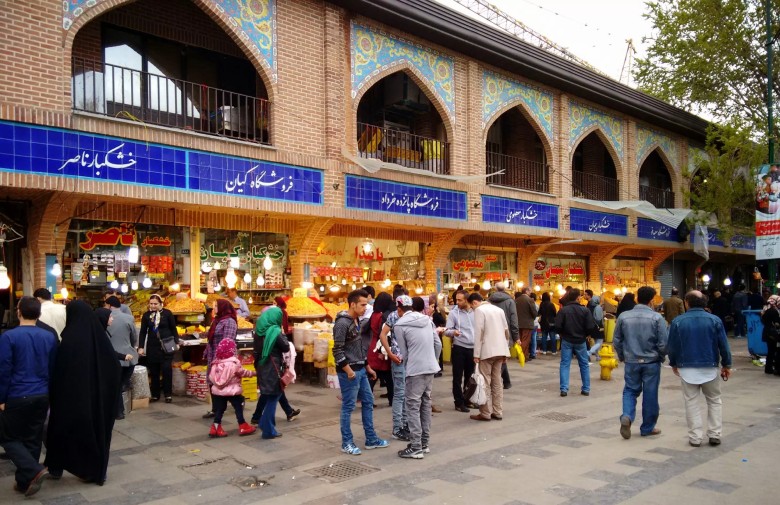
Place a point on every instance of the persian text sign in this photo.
(598, 222)
(519, 212)
(653, 230)
(768, 212)
(396, 198)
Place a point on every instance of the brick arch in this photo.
(438, 253)
(526, 112)
(674, 174)
(419, 80)
(47, 230)
(304, 240)
(619, 165)
(658, 257)
(209, 8)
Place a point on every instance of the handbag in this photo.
(479, 397)
(286, 378)
(471, 386)
(772, 333)
(168, 344)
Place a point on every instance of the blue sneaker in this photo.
(377, 444)
(351, 449)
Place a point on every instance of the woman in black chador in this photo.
(83, 398)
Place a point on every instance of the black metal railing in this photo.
(115, 91)
(595, 187)
(518, 173)
(662, 198)
(403, 148)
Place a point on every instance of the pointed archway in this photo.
(595, 168)
(655, 182)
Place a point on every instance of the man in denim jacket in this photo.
(640, 342)
(697, 347)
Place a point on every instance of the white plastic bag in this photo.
(479, 397)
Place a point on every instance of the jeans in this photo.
(595, 349)
(549, 334)
(263, 400)
(642, 378)
(462, 367)
(418, 404)
(219, 404)
(21, 435)
(268, 418)
(692, 394)
(399, 394)
(534, 334)
(581, 351)
(739, 324)
(351, 390)
(164, 368)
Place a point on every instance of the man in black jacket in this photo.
(574, 323)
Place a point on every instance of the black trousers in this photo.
(505, 375)
(386, 377)
(462, 360)
(124, 385)
(772, 366)
(161, 368)
(220, 403)
(21, 435)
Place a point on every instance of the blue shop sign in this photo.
(744, 242)
(386, 196)
(67, 153)
(598, 222)
(653, 230)
(712, 235)
(519, 212)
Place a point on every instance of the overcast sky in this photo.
(593, 30)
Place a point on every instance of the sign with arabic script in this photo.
(598, 222)
(123, 234)
(396, 198)
(519, 212)
(743, 242)
(712, 237)
(653, 230)
(68, 153)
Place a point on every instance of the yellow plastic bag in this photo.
(520, 355)
(446, 348)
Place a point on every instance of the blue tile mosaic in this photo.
(65, 153)
(712, 236)
(519, 212)
(653, 230)
(598, 222)
(744, 242)
(396, 198)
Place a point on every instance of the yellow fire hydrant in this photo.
(607, 358)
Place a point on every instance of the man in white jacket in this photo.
(420, 346)
(491, 349)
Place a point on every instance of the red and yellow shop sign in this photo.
(156, 242)
(562, 270)
(372, 255)
(466, 265)
(124, 234)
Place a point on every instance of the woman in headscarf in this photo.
(270, 344)
(279, 301)
(83, 398)
(627, 303)
(224, 325)
(377, 359)
(158, 324)
(770, 318)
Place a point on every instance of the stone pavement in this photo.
(548, 450)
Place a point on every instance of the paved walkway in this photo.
(548, 450)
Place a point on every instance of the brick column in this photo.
(47, 230)
(304, 242)
(437, 255)
(658, 257)
(600, 258)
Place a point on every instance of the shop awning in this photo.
(669, 217)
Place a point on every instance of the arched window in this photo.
(593, 171)
(655, 184)
(514, 147)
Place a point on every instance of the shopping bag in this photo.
(520, 355)
(479, 397)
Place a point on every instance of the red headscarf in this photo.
(283, 305)
(225, 310)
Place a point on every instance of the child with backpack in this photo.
(225, 376)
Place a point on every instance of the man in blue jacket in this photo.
(26, 361)
(697, 348)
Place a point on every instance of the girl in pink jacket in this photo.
(225, 377)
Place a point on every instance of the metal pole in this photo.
(769, 104)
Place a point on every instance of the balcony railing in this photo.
(518, 173)
(595, 187)
(403, 148)
(661, 198)
(116, 91)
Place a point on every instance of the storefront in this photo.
(553, 273)
(468, 268)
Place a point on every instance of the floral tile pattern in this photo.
(582, 118)
(498, 91)
(647, 140)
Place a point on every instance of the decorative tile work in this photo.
(387, 196)
(373, 51)
(598, 222)
(519, 212)
(67, 153)
(498, 91)
(582, 118)
(256, 21)
(647, 140)
(695, 153)
(743, 242)
(653, 230)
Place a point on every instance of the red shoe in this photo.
(216, 431)
(245, 429)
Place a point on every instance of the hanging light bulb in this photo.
(520, 284)
(147, 283)
(250, 301)
(418, 290)
(206, 267)
(174, 287)
(335, 288)
(217, 265)
(231, 278)
(134, 285)
(333, 265)
(623, 290)
(322, 289)
(537, 288)
(56, 269)
(343, 281)
(132, 254)
(268, 264)
(64, 293)
(247, 278)
(235, 261)
(260, 280)
(307, 285)
(705, 278)
(559, 287)
(386, 283)
(114, 284)
(727, 281)
(123, 288)
(561, 292)
(616, 291)
(217, 287)
(486, 285)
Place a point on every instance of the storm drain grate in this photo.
(341, 471)
(559, 416)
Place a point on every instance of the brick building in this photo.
(315, 126)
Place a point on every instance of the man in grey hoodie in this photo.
(420, 345)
